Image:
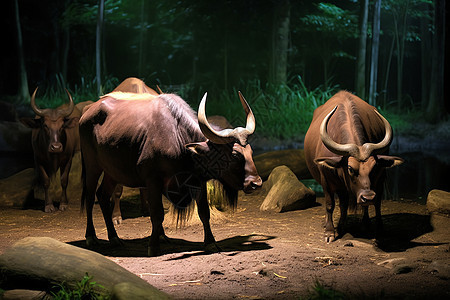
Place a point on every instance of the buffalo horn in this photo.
(37, 111)
(370, 147)
(68, 110)
(226, 136)
(360, 153)
(339, 149)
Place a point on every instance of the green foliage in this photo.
(333, 20)
(85, 289)
(281, 111)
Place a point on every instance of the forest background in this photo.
(286, 56)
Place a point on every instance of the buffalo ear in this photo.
(386, 161)
(332, 162)
(199, 148)
(71, 123)
(31, 122)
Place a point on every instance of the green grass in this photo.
(85, 289)
(282, 112)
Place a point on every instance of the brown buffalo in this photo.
(136, 86)
(159, 144)
(54, 139)
(346, 149)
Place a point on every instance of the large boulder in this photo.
(293, 159)
(285, 192)
(438, 202)
(42, 263)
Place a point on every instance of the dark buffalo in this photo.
(159, 144)
(346, 149)
(55, 140)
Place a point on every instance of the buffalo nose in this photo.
(369, 196)
(56, 147)
(253, 184)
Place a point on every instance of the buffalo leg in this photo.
(330, 233)
(64, 182)
(116, 214)
(204, 215)
(378, 220)
(45, 180)
(343, 205)
(89, 186)
(153, 195)
(104, 193)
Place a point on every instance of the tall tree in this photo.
(142, 38)
(98, 46)
(360, 85)
(23, 95)
(436, 100)
(374, 52)
(280, 41)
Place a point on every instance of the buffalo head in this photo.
(226, 155)
(360, 167)
(50, 124)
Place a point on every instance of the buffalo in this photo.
(157, 143)
(346, 151)
(55, 140)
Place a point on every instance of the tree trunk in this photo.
(374, 54)
(425, 55)
(98, 43)
(360, 85)
(280, 41)
(436, 102)
(142, 39)
(23, 94)
(388, 70)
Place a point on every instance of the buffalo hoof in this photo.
(212, 248)
(63, 207)
(329, 237)
(49, 208)
(91, 241)
(117, 220)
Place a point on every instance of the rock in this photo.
(438, 201)
(441, 268)
(285, 192)
(24, 295)
(42, 263)
(403, 269)
(293, 159)
(130, 291)
(16, 189)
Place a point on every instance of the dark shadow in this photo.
(399, 231)
(138, 247)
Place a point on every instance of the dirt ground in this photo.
(265, 255)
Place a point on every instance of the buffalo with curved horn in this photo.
(55, 140)
(159, 145)
(346, 149)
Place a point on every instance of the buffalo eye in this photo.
(351, 171)
(236, 154)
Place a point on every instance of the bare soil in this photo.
(265, 255)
